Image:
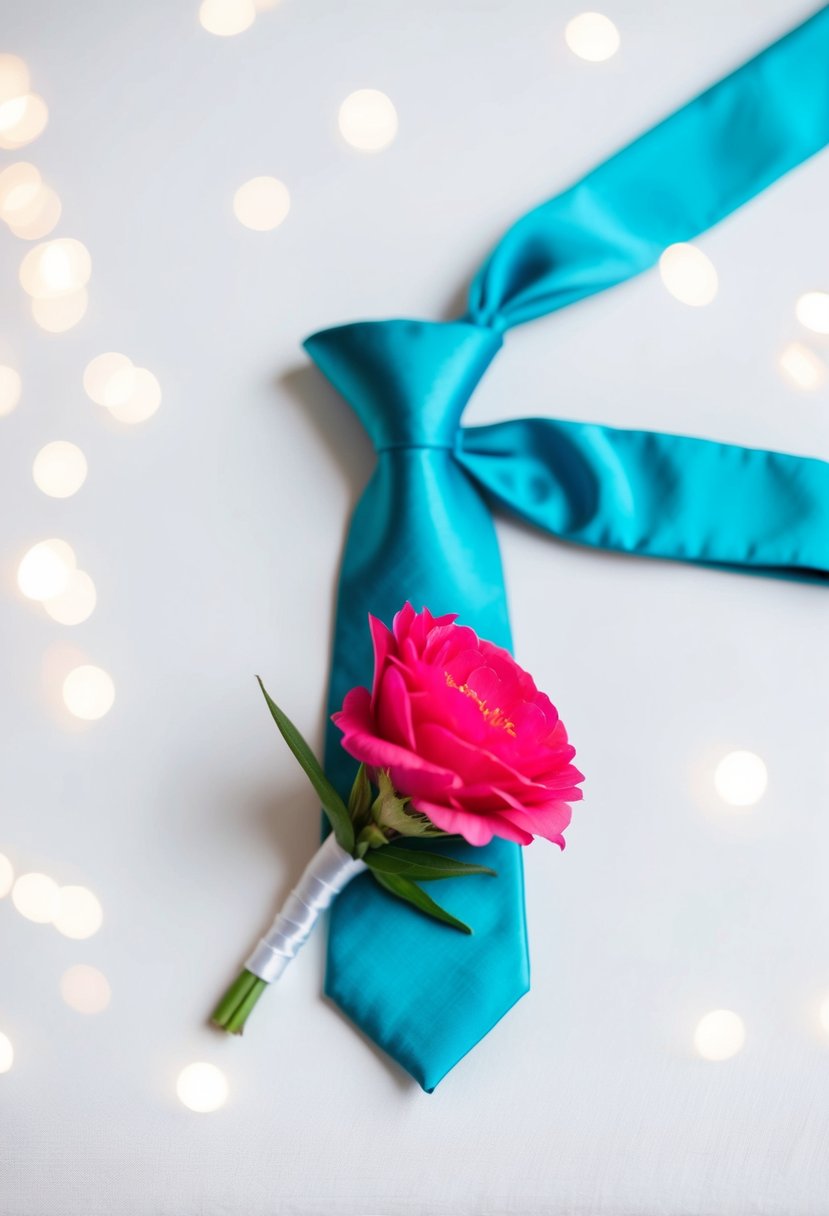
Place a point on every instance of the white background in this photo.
(213, 533)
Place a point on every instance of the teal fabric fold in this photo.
(658, 495)
(671, 184)
(423, 529)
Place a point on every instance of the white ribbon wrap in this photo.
(328, 871)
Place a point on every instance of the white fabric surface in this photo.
(213, 533)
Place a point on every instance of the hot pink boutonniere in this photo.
(462, 732)
(453, 739)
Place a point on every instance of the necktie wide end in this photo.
(425, 994)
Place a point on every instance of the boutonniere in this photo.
(453, 740)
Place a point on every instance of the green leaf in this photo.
(359, 800)
(408, 891)
(331, 802)
(421, 866)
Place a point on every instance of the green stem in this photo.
(234, 1008)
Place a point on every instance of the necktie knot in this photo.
(407, 381)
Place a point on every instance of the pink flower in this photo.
(463, 732)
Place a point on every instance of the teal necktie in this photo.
(423, 530)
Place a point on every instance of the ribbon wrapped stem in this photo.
(329, 870)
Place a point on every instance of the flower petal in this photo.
(382, 640)
(393, 713)
(361, 741)
(547, 821)
(475, 829)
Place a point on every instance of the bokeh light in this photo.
(20, 185)
(44, 571)
(55, 268)
(6, 875)
(108, 378)
(59, 469)
(28, 206)
(262, 203)
(39, 218)
(719, 1035)
(812, 310)
(143, 399)
(85, 989)
(802, 367)
(10, 387)
(22, 119)
(88, 692)
(6, 1053)
(741, 778)
(824, 1014)
(14, 78)
(592, 36)
(202, 1087)
(227, 17)
(56, 316)
(76, 602)
(131, 394)
(368, 120)
(688, 274)
(36, 897)
(79, 913)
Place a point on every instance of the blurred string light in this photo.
(74, 911)
(131, 394)
(40, 218)
(202, 1087)
(10, 388)
(592, 36)
(85, 989)
(56, 316)
(20, 185)
(812, 311)
(55, 269)
(227, 17)
(54, 275)
(59, 469)
(14, 78)
(688, 274)
(23, 114)
(29, 207)
(108, 378)
(741, 778)
(143, 400)
(79, 914)
(22, 119)
(262, 203)
(802, 367)
(719, 1035)
(824, 1014)
(368, 120)
(36, 897)
(6, 1053)
(6, 875)
(44, 570)
(88, 692)
(76, 602)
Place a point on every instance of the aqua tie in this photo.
(423, 530)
